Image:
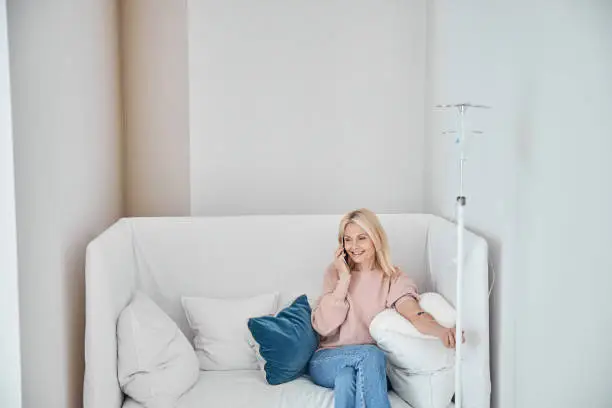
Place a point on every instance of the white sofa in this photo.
(240, 256)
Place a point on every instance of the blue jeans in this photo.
(356, 373)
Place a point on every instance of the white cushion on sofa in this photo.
(156, 363)
(405, 346)
(420, 368)
(435, 305)
(221, 335)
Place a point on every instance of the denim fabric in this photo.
(356, 373)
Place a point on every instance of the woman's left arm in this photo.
(403, 296)
(424, 322)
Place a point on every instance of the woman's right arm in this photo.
(332, 307)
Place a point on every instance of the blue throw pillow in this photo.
(286, 341)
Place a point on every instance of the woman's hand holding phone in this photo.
(340, 263)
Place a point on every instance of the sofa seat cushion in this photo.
(249, 389)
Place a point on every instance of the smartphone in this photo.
(346, 258)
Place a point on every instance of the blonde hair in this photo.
(367, 220)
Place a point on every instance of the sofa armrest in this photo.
(109, 283)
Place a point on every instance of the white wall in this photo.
(306, 106)
(10, 365)
(66, 113)
(537, 184)
(156, 100)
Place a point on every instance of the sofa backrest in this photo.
(236, 256)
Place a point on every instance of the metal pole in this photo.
(460, 203)
(460, 225)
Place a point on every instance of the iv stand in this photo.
(460, 204)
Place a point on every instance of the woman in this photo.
(360, 283)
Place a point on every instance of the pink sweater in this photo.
(346, 308)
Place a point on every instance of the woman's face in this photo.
(359, 246)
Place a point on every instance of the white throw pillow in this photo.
(221, 335)
(156, 363)
(435, 305)
(420, 368)
(405, 346)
